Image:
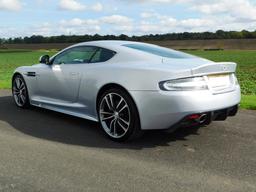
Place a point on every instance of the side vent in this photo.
(31, 74)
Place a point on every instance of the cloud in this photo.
(11, 5)
(150, 14)
(65, 27)
(159, 1)
(152, 22)
(207, 15)
(240, 9)
(97, 7)
(116, 19)
(76, 22)
(71, 5)
(213, 15)
(114, 24)
(195, 23)
(74, 5)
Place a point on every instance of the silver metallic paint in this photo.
(73, 88)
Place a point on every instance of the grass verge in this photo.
(248, 102)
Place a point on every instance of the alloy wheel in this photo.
(19, 91)
(115, 116)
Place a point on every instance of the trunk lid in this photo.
(219, 75)
(214, 68)
(200, 66)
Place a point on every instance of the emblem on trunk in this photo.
(224, 67)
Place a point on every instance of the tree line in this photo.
(220, 34)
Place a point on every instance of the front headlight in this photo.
(186, 84)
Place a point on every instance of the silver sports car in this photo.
(129, 87)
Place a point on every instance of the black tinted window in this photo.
(160, 51)
(102, 55)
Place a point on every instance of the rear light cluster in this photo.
(217, 83)
(186, 84)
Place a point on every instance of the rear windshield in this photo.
(159, 51)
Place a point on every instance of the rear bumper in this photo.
(164, 109)
(208, 117)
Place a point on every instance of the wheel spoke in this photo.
(17, 82)
(23, 99)
(111, 101)
(125, 106)
(127, 123)
(106, 99)
(16, 98)
(121, 100)
(125, 129)
(106, 118)
(15, 91)
(111, 125)
(21, 86)
(19, 100)
(23, 89)
(106, 113)
(15, 88)
(115, 127)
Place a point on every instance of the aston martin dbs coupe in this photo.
(129, 87)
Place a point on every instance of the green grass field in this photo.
(11, 59)
(246, 60)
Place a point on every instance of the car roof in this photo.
(109, 44)
(125, 51)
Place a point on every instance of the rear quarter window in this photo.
(102, 55)
(159, 51)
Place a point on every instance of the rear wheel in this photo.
(118, 115)
(20, 92)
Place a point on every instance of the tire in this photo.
(118, 115)
(20, 92)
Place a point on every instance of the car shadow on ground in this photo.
(53, 126)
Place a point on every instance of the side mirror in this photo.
(45, 59)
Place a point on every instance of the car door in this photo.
(59, 82)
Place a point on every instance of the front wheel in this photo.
(118, 115)
(20, 92)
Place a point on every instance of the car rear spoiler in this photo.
(215, 68)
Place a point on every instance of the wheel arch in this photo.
(15, 74)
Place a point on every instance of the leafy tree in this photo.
(219, 34)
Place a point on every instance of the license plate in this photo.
(219, 81)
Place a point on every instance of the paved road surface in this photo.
(47, 151)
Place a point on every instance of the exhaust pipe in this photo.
(198, 118)
(202, 118)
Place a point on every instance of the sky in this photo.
(19, 18)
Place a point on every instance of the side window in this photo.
(102, 55)
(75, 55)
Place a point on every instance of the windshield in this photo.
(159, 51)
